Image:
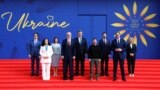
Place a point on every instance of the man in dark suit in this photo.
(104, 44)
(81, 50)
(34, 48)
(68, 55)
(118, 47)
(131, 56)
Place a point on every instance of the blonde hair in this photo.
(131, 40)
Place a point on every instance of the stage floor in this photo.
(15, 75)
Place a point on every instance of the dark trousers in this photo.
(33, 59)
(96, 63)
(115, 65)
(68, 63)
(80, 61)
(131, 65)
(104, 66)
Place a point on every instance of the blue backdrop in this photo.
(19, 19)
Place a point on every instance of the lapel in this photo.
(79, 42)
(35, 44)
(104, 41)
(118, 44)
(67, 43)
(130, 46)
(45, 48)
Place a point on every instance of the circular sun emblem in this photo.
(136, 25)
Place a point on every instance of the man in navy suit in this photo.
(105, 46)
(81, 50)
(34, 48)
(68, 55)
(118, 47)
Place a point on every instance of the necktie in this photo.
(35, 41)
(105, 41)
(119, 41)
(69, 43)
(80, 40)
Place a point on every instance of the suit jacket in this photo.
(68, 50)
(80, 49)
(131, 50)
(105, 48)
(34, 48)
(121, 45)
(46, 53)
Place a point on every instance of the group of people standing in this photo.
(77, 49)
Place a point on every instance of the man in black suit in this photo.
(131, 56)
(68, 55)
(104, 44)
(34, 49)
(81, 50)
(118, 47)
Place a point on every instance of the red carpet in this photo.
(15, 75)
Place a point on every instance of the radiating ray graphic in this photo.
(142, 17)
(120, 16)
(149, 17)
(126, 10)
(144, 11)
(143, 39)
(135, 8)
(135, 39)
(127, 37)
(150, 34)
(152, 25)
(122, 32)
(118, 24)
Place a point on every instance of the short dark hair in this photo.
(104, 33)
(35, 33)
(43, 42)
(79, 31)
(55, 39)
(94, 39)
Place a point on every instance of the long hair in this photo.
(43, 42)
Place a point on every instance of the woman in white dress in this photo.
(56, 55)
(46, 53)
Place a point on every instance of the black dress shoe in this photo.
(64, 78)
(114, 79)
(71, 79)
(32, 74)
(102, 74)
(82, 74)
(107, 74)
(76, 74)
(37, 74)
(123, 79)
